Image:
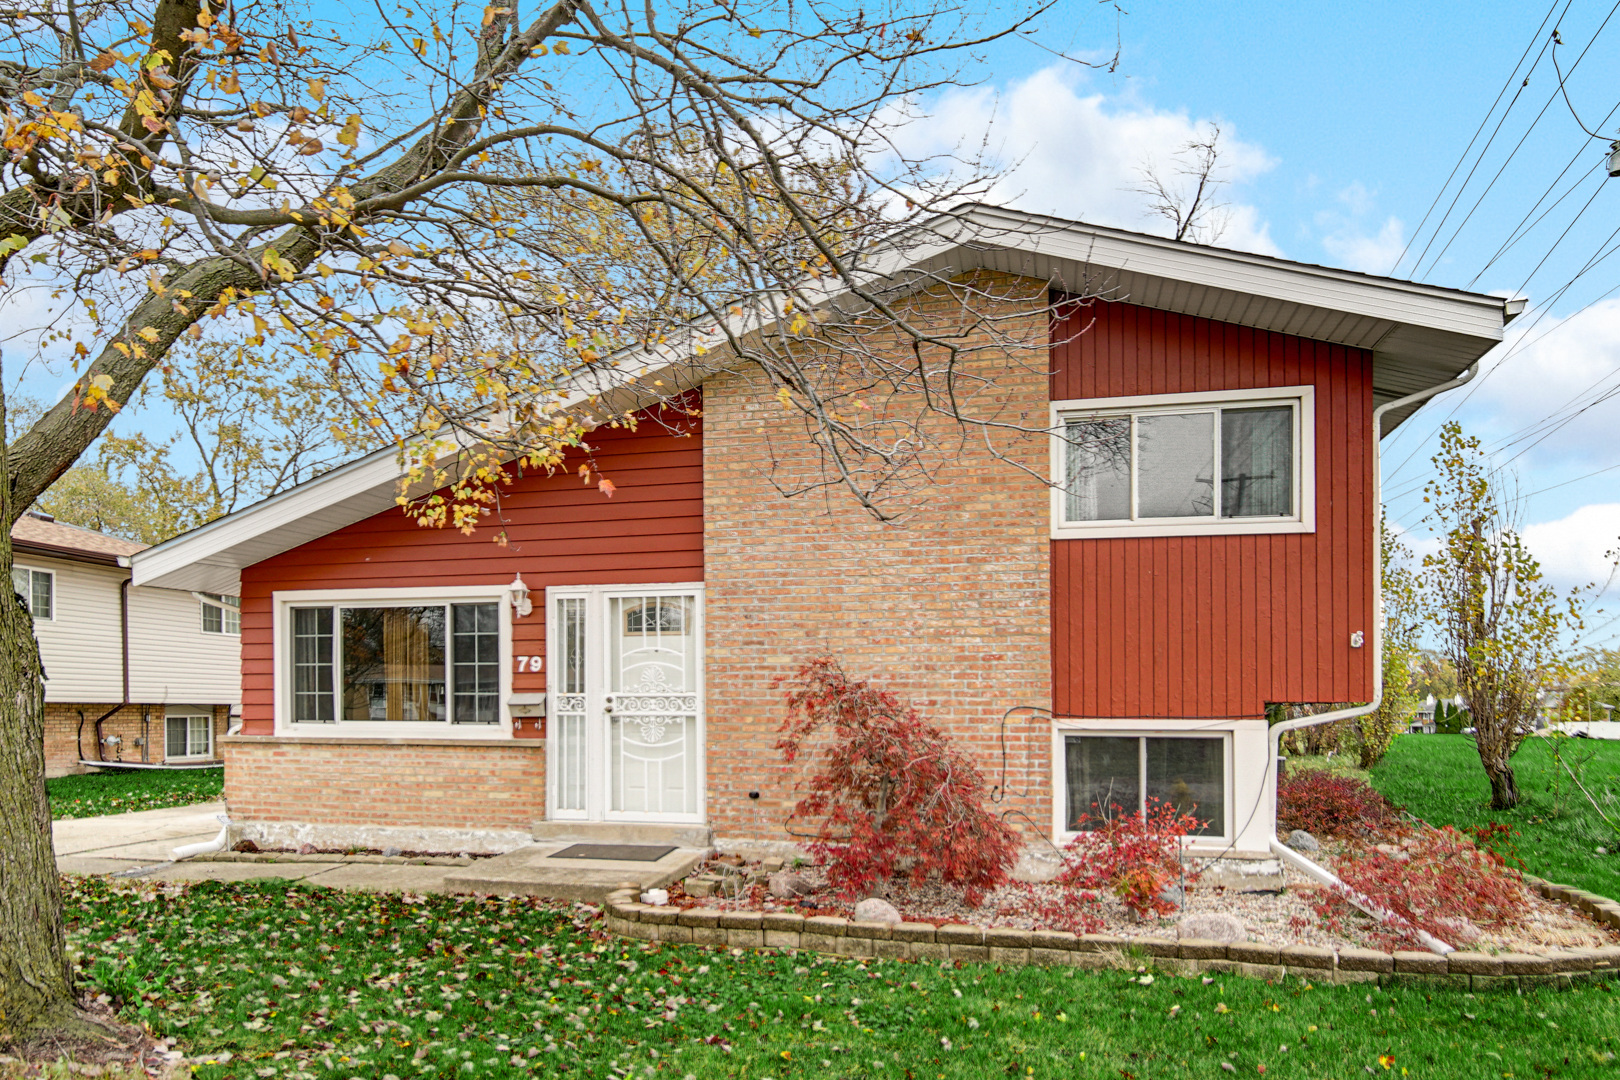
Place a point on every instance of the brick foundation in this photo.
(64, 745)
(439, 784)
(950, 610)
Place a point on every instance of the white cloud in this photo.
(1554, 369)
(1571, 549)
(1079, 155)
(1349, 239)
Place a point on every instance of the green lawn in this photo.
(1439, 778)
(94, 794)
(293, 981)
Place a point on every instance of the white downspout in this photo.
(206, 847)
(1278, 848)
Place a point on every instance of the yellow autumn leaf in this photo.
(317, 89)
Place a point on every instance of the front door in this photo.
(625, 703)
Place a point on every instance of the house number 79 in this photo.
(530, 663)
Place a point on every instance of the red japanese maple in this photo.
(1137, 856)
(890, 793)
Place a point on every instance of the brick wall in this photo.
(446, 785)
(63, 743)
(950, 610)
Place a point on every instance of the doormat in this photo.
(616, 852)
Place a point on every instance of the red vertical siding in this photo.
(559, 532)
(1216, 626)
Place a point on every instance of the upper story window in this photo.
(1237, 461)
(221, 614)
(37, 589)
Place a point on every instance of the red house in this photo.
(1206, 545)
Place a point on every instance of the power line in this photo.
(1485, 120)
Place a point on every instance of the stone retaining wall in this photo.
(1000, 945)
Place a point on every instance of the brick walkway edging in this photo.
(1001, 945)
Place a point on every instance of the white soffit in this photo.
(1420, 336)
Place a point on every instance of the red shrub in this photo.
(1074, 910)
(891, 793)
(1437, 881)
(1135, 856)
(1327, 804)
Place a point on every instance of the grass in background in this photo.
(269, 979)
(94, 794)
(1439, 778)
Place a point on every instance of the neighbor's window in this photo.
(188, 737)
(1110, 774)
(1182, 464)
(37, 589)
(428, 663)
(221, 614)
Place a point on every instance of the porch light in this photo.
(519, 593)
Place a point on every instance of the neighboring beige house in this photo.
(133, 675)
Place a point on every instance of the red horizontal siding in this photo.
(559, 532)
(1216, 626)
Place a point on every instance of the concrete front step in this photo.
(530, 871)
(622, 832)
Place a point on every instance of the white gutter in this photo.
(1283, 851)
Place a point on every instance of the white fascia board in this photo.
(1471, 314)
(359, 478)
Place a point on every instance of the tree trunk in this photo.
(1504, 789)
(36, 987)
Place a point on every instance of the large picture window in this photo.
(395, 664)
(1179, 464)
(1107, 775)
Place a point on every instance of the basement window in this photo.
(188, 737)
(1106, 775)
(1184, 464)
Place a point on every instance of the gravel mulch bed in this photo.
(1282, 917)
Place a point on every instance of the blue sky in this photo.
(1341, 124)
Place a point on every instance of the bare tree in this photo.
(1189, 204)
(288, 177)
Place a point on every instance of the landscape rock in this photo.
(1213, 926)
(874, 909)
(1173, 894)
(785, 885)
(655, 897)
(392, 852)
(306, 849)
(1300, 840)
(246, 845)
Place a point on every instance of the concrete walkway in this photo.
(128, 844)
(140, 845)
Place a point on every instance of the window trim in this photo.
(282, 604)
(1303, 521)
(55, 600)
(188, 717)
(1150, 729)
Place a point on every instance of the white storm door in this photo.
(627, 710)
